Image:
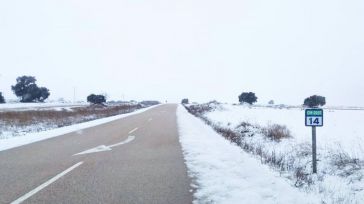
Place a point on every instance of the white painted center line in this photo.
(135, 129)
(39, 188)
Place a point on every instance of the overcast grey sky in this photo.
(284, 50)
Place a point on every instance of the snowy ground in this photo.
(340, 147)
(37, 106)
(38, 136)
(224, 173)
(342, 128)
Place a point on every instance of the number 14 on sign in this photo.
(314, 121)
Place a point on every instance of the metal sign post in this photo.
(314, 159)
(314, 118)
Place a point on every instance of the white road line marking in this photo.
(135, 129)
(39, 188)
(103, 148)
(150, 119)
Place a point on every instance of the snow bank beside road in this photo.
(224, 173)
(13, 142)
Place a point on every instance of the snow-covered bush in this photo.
(276, 132)
(200, 109)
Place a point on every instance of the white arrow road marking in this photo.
(100, 148)
(130, 138)
(103, 148)
(49, 182)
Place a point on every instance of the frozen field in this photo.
(342, 129)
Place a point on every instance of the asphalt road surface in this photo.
(137, 159)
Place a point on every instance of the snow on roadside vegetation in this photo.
(18, 122)
(340, 146)
(13, 142)
(223, 173)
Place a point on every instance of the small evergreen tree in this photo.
(314, 101)
(248, 97)
(96, 99)
(185, 101)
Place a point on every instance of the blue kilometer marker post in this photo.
(314, 118)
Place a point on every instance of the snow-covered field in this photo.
(223, 173)
(36, 106)
(340, 177)
(342, 128)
